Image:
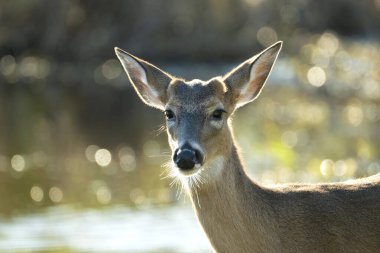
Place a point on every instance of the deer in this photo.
(237, 213)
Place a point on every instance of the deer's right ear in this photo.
(150, 82)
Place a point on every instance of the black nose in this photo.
(186, 157)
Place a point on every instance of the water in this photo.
(118, 229)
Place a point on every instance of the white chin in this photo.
(187, 173)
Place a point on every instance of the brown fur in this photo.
(237, 214)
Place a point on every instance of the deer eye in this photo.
(169, 114)
(218, 114)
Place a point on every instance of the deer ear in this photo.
(150, 82)
(247, 80)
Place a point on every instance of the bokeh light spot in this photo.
(127, 159)
(354, 114)
(128, 162)
(103, 195)
(36, 193)
(371, 89)
(7, 65)
(266, 35)
(28, 66)
(111, 69)
(316, 76)
(290, 139)
(340, 168)
(103, 157)
(90, 152)
(137, 196)
(55, 194)
(18, 163)
(329, 43)
(327, 167)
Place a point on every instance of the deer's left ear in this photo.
(150, 82)
(247, 80)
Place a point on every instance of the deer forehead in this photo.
(197, 95)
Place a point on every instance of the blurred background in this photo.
(81, 155)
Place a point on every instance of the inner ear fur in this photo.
(247, 80)
(149, 81)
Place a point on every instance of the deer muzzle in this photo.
(186, 157)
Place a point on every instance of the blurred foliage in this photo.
(322, 122)
(72, 130)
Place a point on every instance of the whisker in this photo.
(177, 180)
(182, 183)
(167, 170)
(165, 177)
(161, 129)
(166, 165)
(173, 182)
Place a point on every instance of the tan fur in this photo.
(237, 214)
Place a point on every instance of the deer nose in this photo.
(186, 157)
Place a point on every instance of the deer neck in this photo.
(232, 209)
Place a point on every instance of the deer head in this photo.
(197, 112)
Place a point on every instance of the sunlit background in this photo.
(81, 155)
